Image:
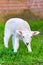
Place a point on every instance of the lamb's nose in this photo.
(27, 43)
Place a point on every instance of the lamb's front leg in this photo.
(29, 47)
(15, 42)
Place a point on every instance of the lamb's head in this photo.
(26, 35)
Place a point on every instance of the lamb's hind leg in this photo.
(7, 35)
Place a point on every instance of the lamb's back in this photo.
(17, 24)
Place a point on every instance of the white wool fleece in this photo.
(20, 30)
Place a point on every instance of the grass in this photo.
(23, 57)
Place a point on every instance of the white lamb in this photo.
(20, 30)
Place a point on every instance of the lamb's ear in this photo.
(19, 32)
(35, 32)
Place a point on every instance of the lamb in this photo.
(19, 29)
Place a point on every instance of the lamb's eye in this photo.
(23, 36)
(31, 36)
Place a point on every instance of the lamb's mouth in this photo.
(27, 43)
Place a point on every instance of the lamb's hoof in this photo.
(6, 46)
(15, 51)
(30, 51)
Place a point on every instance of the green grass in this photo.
(23, 57)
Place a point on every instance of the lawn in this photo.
(23, 57)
